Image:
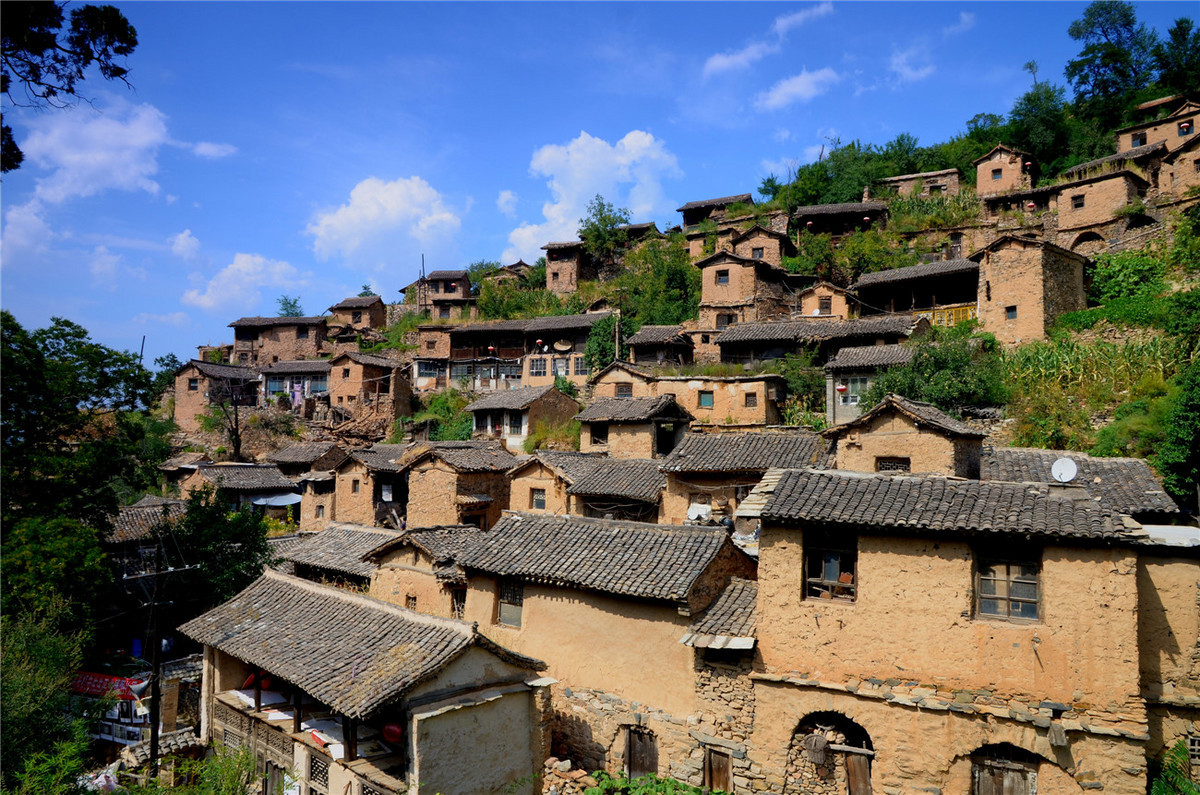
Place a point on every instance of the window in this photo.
(561, 366)
(515, 423)
(435, 287)
(724, 321)
(1193, 742)
(997, 173)
(1007, 588)
(1185, 128)
(318, 383)
(892, 464)
(356, 317)
(554, 276)
(1010, 313)
(581, 366)
(1137, 139)
(355, 486)
(345, 373)
(856, 387)
(320, 512)
(429, 369)
(509, 600)
(430, 345)
(444, 313)
(193, 384)
(717, 770)
(410, 602)
(704, 337)
(599, 433)
(825, 305)
(829, 566)
(1077, 201)
(624, 390)
(537, 365)
(318, 770)
(751, 400)
(302, 333)
(458, 602)
(704, 400)
(756, 253)
(723, 277)
(537, 499)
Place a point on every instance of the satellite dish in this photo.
(1064, 470)
(817, 311)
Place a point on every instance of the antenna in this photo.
(1064, 470)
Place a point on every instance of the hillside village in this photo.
(659, 565)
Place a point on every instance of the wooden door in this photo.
(717, 773)
(992, 778)
(641, 753)
(858, 774)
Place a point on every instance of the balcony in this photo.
(948, 315)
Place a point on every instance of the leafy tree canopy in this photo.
(479, 270)
(1117, 59)
(53, 563)
(289, 306)
(366, 291)
(602, 349)
(599, 229)
(1178, 58)
(659, 285)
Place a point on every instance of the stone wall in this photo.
(1101, 197)
(284, 344)
(1181, 173)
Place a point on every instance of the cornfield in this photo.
(1072, 365)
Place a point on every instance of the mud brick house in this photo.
(736, 289)
(417, 569)
(619, 488)
(946, 182)
(660, 344)
(369, 488)
(945, 292)
(761, 243)
(852, 371)
(711, 209)
(444, 295)
(1175, 130)
(756, 342)
(261, 485)
(902, 435)
(708, 475)
(361, 383)
(568, 264)
(358, 313)
(622, 380)
(1003, 170)
(1024, 285)
(309, 678)
(263, 340)
(533, 581)
(334, 556)
(539, 484)
(457, 483)
(826, 300)
(1034, 206)
(510, 416)
(485, 356)
(301, 458)
(318, 499)
(178, 467)
(511, 273)
(839, 220)
(555, 346)
(297, 385)
(1094, 201)
(1180, 170)
(646, 427)
(727, 400)
(199, 385)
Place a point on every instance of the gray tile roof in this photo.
(563, 244)
(447, 275)
(169, 744)
(1137, 153)
(368, 359)
(1127, 485)
(867, 357)
(744, 198)
(625, 558)
(185, 460)
(838, 209)
(641, 409)
(301, 452)
(490, 328)
(923, 414)
(271, 322)
(282, 547)
(569, 466)
(913, 272)
(940, 173)
(480, 456)
(859, 501)
(511, 399)
(246, 477)
(135, 522)
(356, 302)
(232, 371)
(378, 460)
(747, 452)
(565, 322)
(635, 479)
(659, 335)
(730, 622)
(808, 331)
(339, 547)
(349, 651)
(298, 366)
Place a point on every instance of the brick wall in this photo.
(432, 486)
(1033, 283)
(190, 402)
(562, 277)
(1101, 199)
(1012, 174)
(772, 246)
(730, 399)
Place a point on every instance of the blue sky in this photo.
(309, 148)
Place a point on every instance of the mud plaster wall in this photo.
(1101, 199)
(709, 487)
(728, 400)
(357, 508)
(1169, 646)
(408, 572)
(772, 247)
(310, 498)
(606, 385)
(538, 476)
(625, 440)
(189, 403)
(1182, 173)
(439, 336)
(893, 435)
(810, 302)
(282, 344)
(431, 489)
(1011, 178)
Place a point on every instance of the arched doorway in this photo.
(1089, 243)
(829, 755)
(1003, 769)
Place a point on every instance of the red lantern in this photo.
(866, 219)
(539, 342)
(1030, 206)
(393, 732)
(491, 347)
(1028, 164)
(841, 387)
(810, 223)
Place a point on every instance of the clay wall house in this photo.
(622, 380)
(511, 416)
(1003, 170)
(715, 209)
(761, 243)
(1031, 209)
(431, 359)
(568, 264)
(219, 354)
(442, 294)
(619, 488)
(727, 400)
(757, 342)
(555, 346)
(280, 662)
(926, 183)
(363, 383)
(513, 272)
(358, 313)
(839, 220)
(852, 371)
(539, 484)
(1175, 130)
(178, 467)
(626, 710)
(487, 356)
(318, 499)
(263, 340)
(660, 345)
(259, 485)
(1024, 285)
(298, 386)
(737, 289)
(369, 488)
(300, 458)
(334, 556)
(457, 483)
(1180, 171)
(708, 475)
(945, 292)
(826, 300)
(199, 385)
(647, 427)
(899, 435)
(1094, 201)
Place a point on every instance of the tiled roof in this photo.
(625, 558)
(998, 148)
(564, 322)
(189, 669)
(744, 198)
(902, 177)
(349, 651)
(339, 547)
(481, 456)
(866, 357)
(635, 479)
(442, 543)
(640, 409)
(186, 460)
(490, 328)
(446, 275)
(270, 322)
(378, 460)
(356, 302)
(1136, 153)
(912, 272)
(301, 452)
(232, 371)
(368, 359)
(837, 209)
(282, 547)
(923, 414)
(658, 335)
(747, 452)
(1127, 485)
(511, 399)
(299, 366)
(169, 743)
(134, 522)
(815, 330)
(246, 477)
(569, 466)
(563, 244)
(936, 504)
(730, 622)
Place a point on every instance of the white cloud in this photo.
(184, 244)
(104, 267)
(236, 285)
(178, 319)
(906, 70)
(741, 59)
(815, 152)
(798, 88)
(585, 167)
(966, 21)
(378, 210)
(780, 169)
(788, 22)
(781, 135)
(213, 151)
(506, 203)
(25, 227)
(89, 152)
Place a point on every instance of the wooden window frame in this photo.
(193, 384)
(410, 601)
(458, 602)
(1010, 312)
(510, 602)
(997, 174)
(751, 400)
(1078, 201)
(705, 394)
(758, 253)
(537, 366)
(995, 576)
(825, 554)
(536, 496)
(624, 390)
(722, 276)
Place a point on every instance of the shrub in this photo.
(450, 422)
(950, 368)
(1050, 418)
(566, 386)
(560, 436)
(1127, 274)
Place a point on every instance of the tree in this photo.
(1116, 62)
(950, 368)
(52, 560)
(366, 291)
(1038, 124)
(227, 397)
(445, 411)
(1178, 58)
(43, 63)
(659, 285)
(599, 231)
(602, 349)
(1178, 458)
(289, 306)
(479, 271)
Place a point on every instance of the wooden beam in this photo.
(297, 699)
(258, 675)
(350, 730)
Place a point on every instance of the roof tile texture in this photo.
(637, 479)
(747, 452)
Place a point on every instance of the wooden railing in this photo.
(948, 315)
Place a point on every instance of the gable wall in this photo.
(539, 476)
(310, 499)
(606, 385)
(1012, 175)
(894, 435)
(1101, 200)
(772, 247)
(810, 302)
(1162, 130)
(355, 508)
(190, 403)
(432, 486)
(729, 400)
(625, 440)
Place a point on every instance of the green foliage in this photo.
(1146, 311)
(649, 784)
(805, 380)
(164, 376)
(814, 256)
(289, 306)
(599, 231)
(228, 548)
(1116, 62)
(1074, 365)
(709, 228)
(394, 335)
(1184, 254)
(509, 300)
(950, 368)
(535, 277)
(659, 285)
(1178, 58)
(1051, 418)
(50, 558)
(227, 771)
(479, 271)
(445, 410)
(566, 386)
(1139, 424)
(1171, 774)
(366, 291)
(1038, 124)
(867, 251)
(601, 350)
(1127, 274)
(1178, 458)
(914, 213)
(559, 436)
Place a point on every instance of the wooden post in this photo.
(350, 730)
(296, 716)
(258, 690)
